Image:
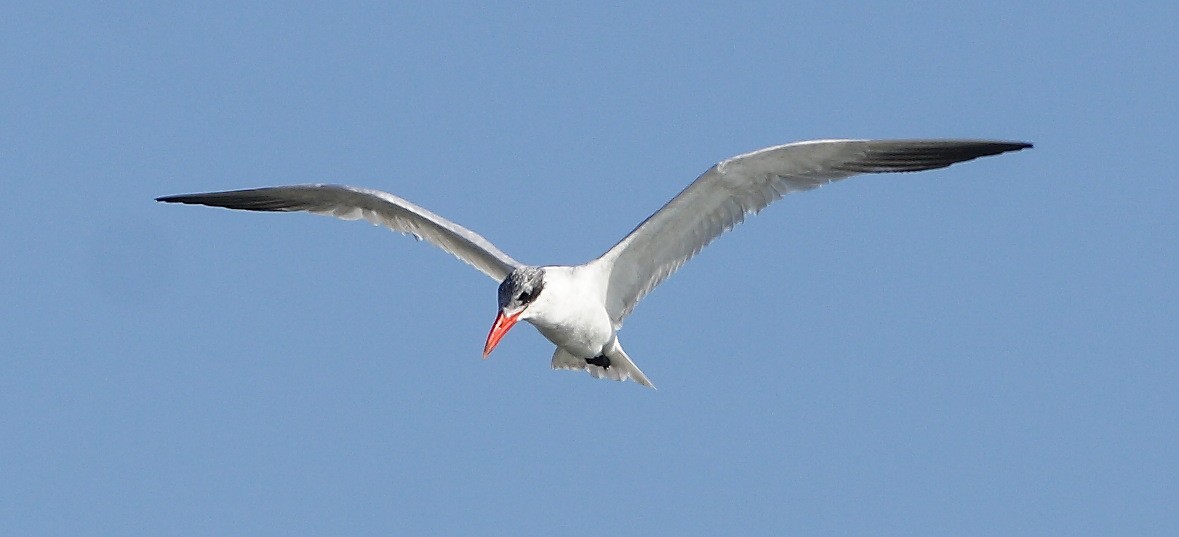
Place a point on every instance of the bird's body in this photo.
(580, 308)
(569, 312)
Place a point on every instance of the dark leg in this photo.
(600, 360)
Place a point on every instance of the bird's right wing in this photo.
(725, 194)
(380, 208)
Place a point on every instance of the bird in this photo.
(580, 308)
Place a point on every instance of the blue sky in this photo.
(984, 350)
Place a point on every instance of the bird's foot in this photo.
(600, 360)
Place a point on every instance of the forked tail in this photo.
(615, 365)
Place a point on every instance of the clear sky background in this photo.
(989, 349)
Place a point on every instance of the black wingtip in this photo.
(190, 199)
(998, 148)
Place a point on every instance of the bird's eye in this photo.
(526, 297)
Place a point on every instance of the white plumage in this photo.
(580, 308)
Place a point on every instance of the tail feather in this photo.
(621, 367)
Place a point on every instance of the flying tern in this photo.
(580, 308)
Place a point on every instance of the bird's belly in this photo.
(581, 340)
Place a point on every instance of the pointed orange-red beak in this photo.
(503, 323)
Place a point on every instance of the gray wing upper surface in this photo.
(381, 208)
(725, 194)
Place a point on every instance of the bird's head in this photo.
(518, 291)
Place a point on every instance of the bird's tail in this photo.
(619, 366)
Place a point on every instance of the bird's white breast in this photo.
(570, 312)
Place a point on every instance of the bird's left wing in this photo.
(380, 208)
(725, 194)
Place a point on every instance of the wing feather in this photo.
(731, 190)
(379, 208)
